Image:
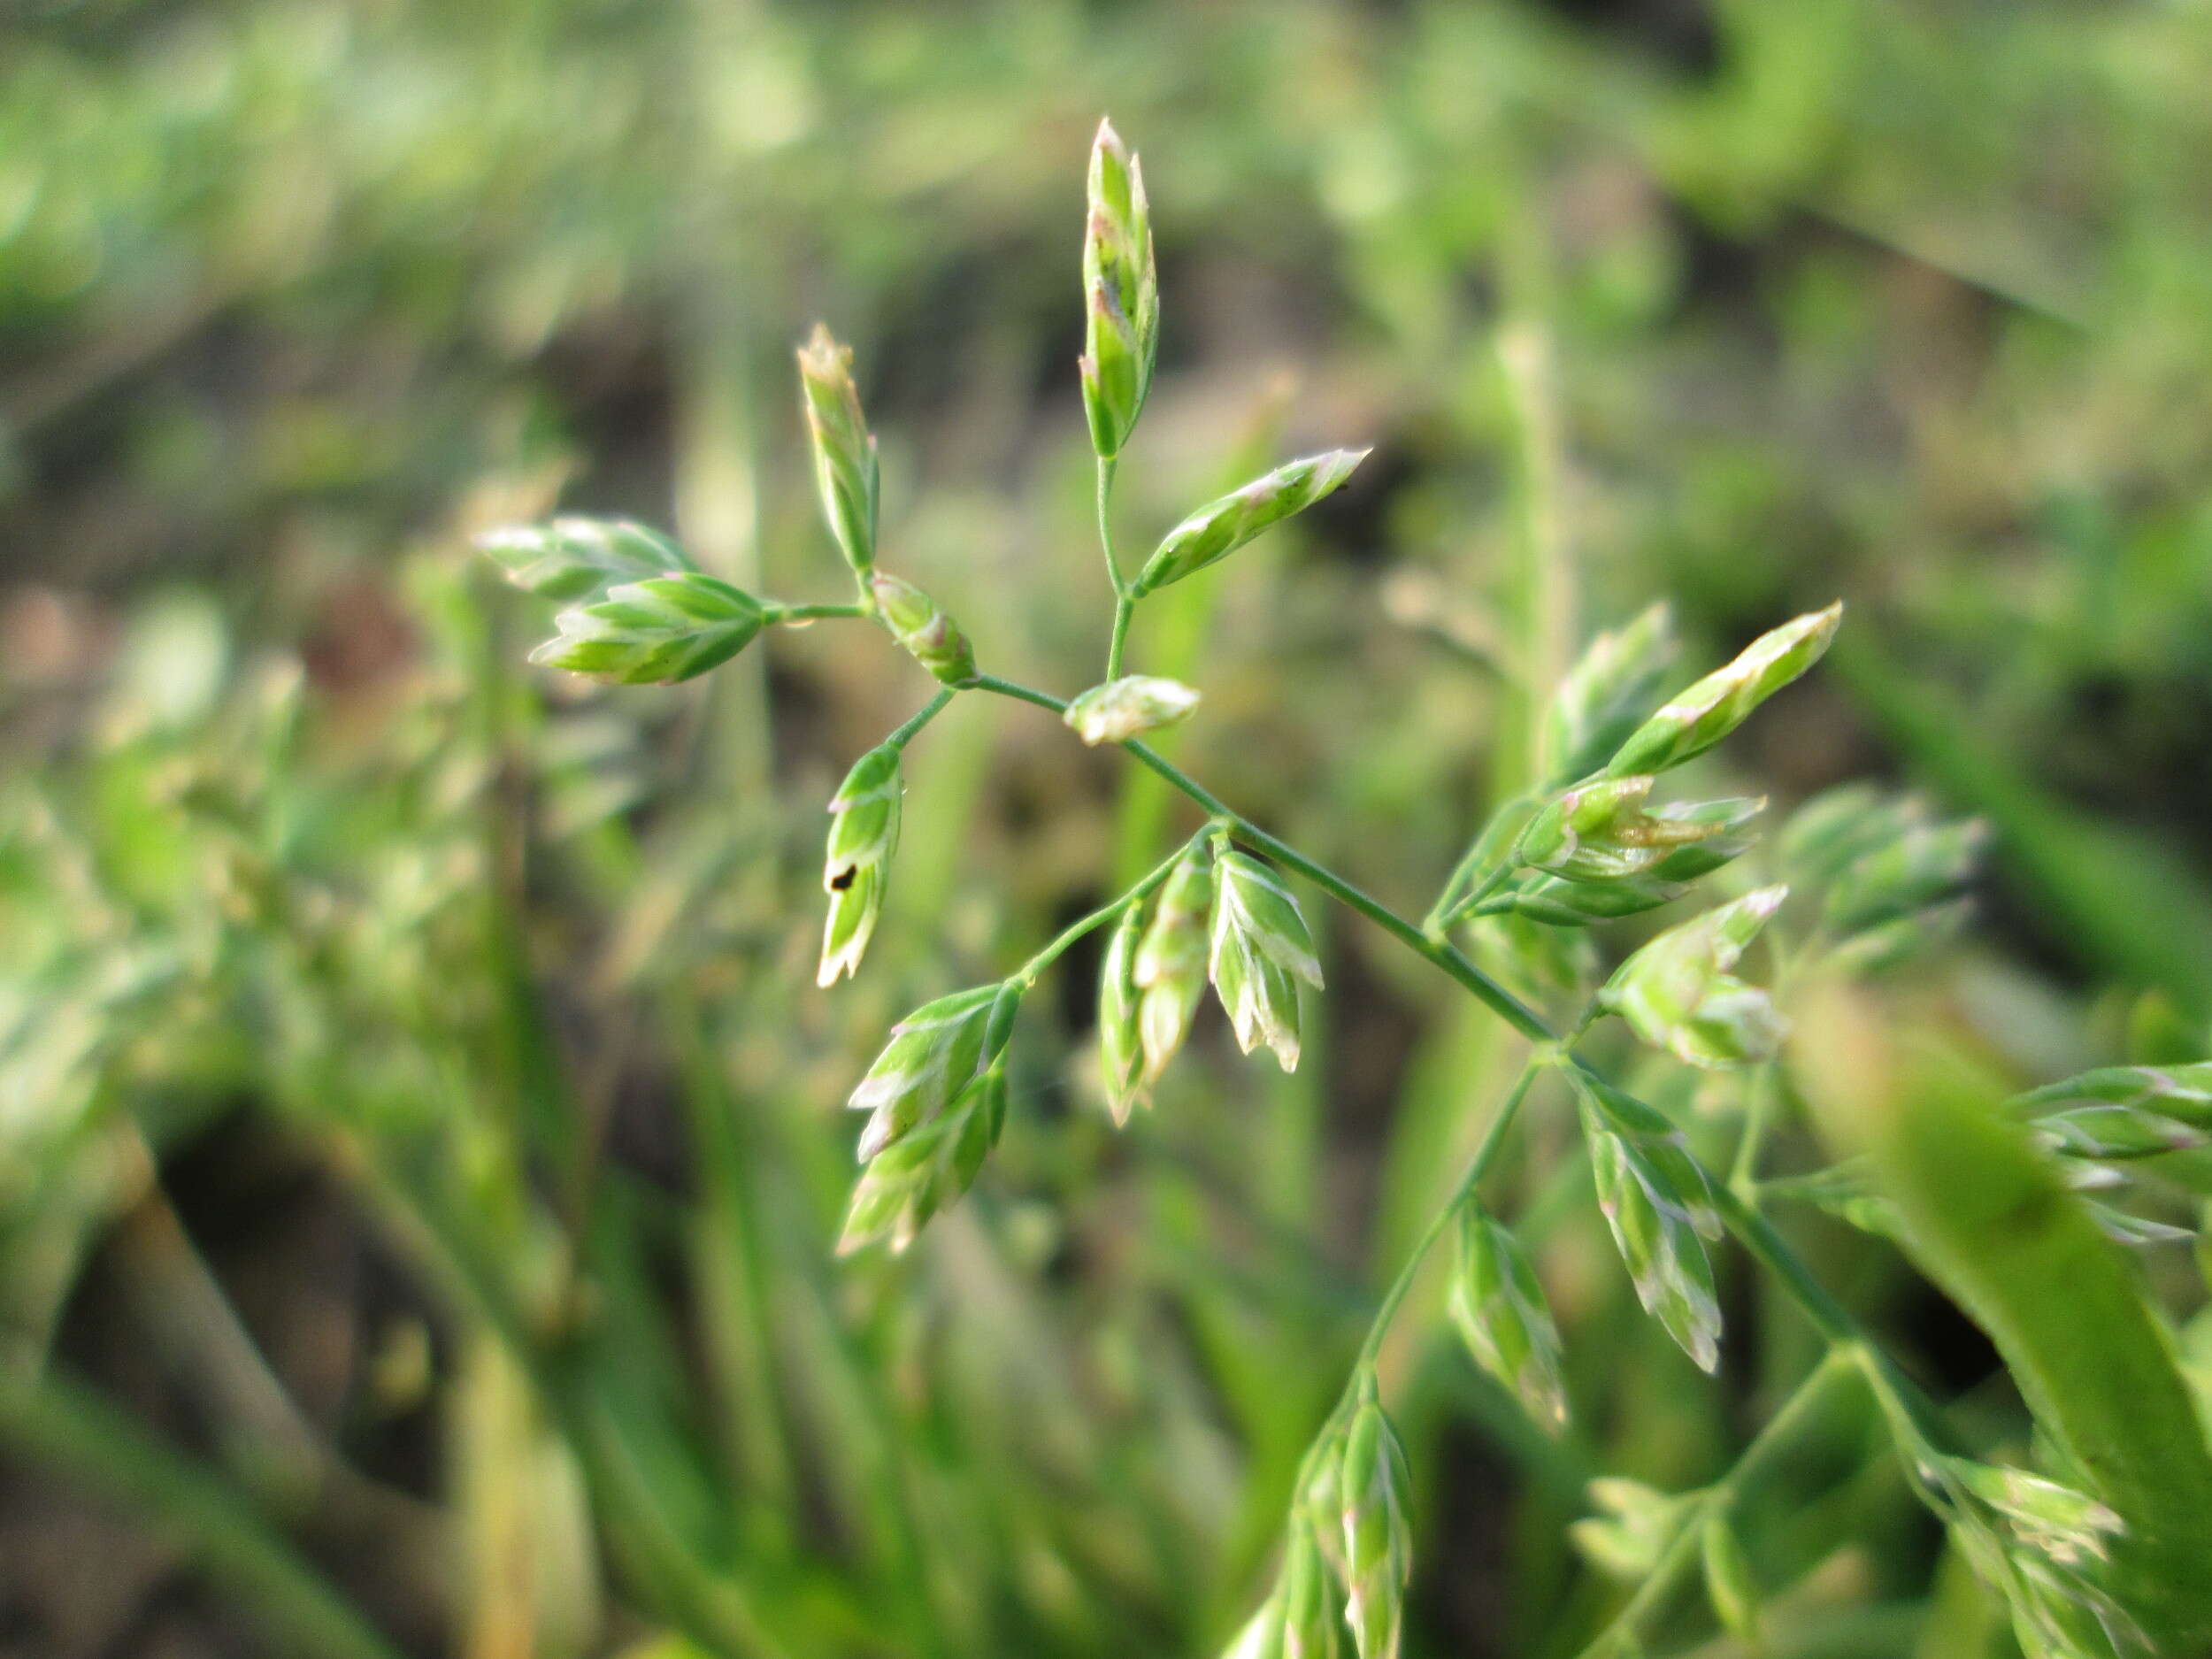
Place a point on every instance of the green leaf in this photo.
(1986, 1216)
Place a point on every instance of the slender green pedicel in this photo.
(1658, 1203)
(911, 1180)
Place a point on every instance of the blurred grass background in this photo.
(419, 1139)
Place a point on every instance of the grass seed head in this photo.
(656, 632)
(1375, 1497)
(929, 635)
(1501, 1314)
(1311, 1628)
(1721, 834)
(1611, 687)
(1220, 528)
(845, 467)
(1261, 948)
(1121, 1041)
(1729, 1584)
(855, 866)
(1121, 294)
(1677, 995)
(1699, 717)
(571, 558)
(933, 1055)
(1654, 1199)
(1561, 901)
(911, 1180)
(1170, 967)
(1129, 707)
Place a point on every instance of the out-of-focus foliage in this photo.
(1907, 301)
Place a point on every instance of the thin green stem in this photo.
(1829, 1317)
(1028, 972)
(782, 614)
(1474, 903)
(1124, 608)
(1124, 601)
(1106, 466)
(1020, 693)
(1743, 1172)
(1502, 1002)
(1485, 850)
(1478, 1166)
(922, 717)
(1684, 1548)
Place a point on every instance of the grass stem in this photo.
(922, 717)
(1028, 972)
(814, 613)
